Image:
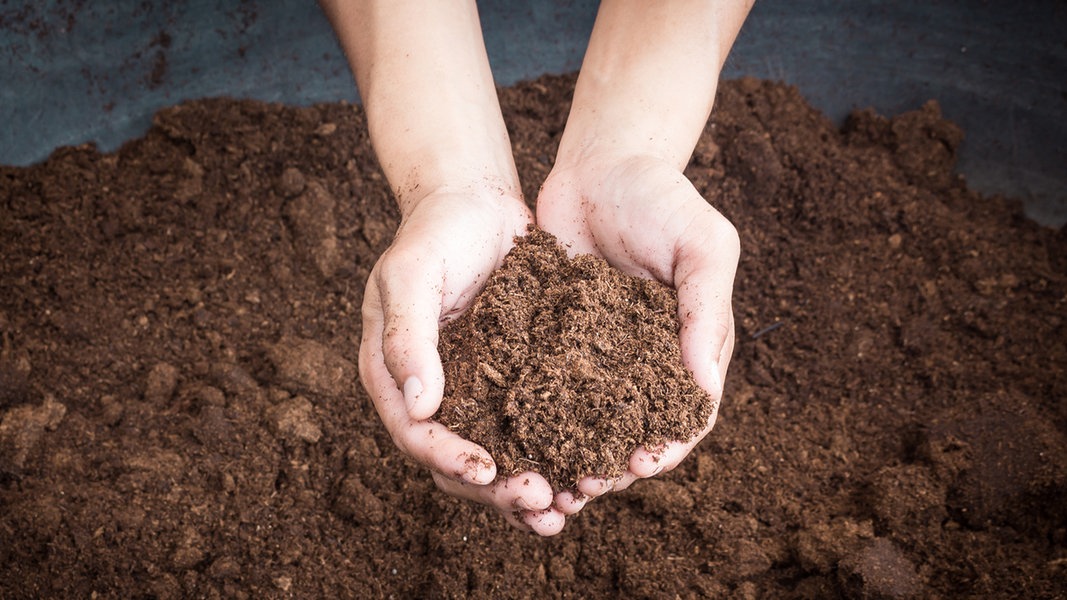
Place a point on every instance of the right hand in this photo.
(645, 218)
(445, 249)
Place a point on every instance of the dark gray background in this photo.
(72, 72)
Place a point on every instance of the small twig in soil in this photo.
(766, 330)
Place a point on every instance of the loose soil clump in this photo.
(565, 366)
(181, 416)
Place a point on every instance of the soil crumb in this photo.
(565, 366)
(181, 416)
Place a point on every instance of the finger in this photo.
(595, 487)
(502, 496)
(464, 491)
(546, 522)
(410, 287)
(625, 481)
(644, 463)
(515, 519)
(571, 502)
(428, 442)
(526, 491)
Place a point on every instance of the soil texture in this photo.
(180, 414)
(565, 366)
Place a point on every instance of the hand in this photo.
(646, 219)
(446, 247)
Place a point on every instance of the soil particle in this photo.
(189, 552)
(747, 559)
(165, 587)
(21, 429)
(111, 410)
(376, 233)
(365, 450)
(908, 498)
(283, 582)
(160, 384)
(879, 571)
(561, 569)
(291, 183)
(999, 462)
(664, 498)
(756, 162)
(224, 567)
(303, 365)
(821, 546)
(199, 397)
(311, 217)
(191, 186)
(294, 420)
(14, 379)
(233, 379)
(213, 428)
(354, 501)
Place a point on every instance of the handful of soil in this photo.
(565, 366)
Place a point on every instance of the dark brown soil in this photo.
(565, 366)
(180, 414)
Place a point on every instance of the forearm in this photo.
(431, 105)
(649, 77)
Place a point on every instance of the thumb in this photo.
(411, 293)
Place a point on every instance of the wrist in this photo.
(484, 192)
(616, 133)
(597, 161)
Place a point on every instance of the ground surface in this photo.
(180, 414)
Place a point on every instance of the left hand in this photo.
(448, 243)
(645, 218)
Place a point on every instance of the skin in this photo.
(644, 93)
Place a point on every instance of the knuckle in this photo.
(393, 343)
(395, 264)
(401, 442)
(725, 235)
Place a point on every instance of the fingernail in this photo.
(522, 504)
(412, 391)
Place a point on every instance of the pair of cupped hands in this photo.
(637, 212)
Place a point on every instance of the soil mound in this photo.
(179, 414)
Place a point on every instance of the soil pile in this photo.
(180, 415)
(565, 366)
